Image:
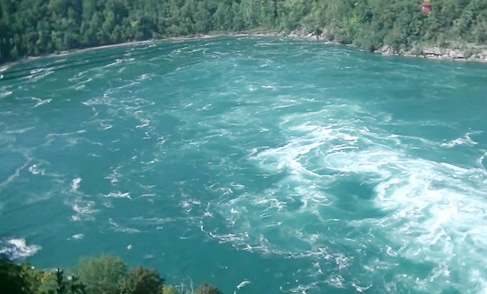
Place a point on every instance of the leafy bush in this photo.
(143, 281)
(26, 279)
(11, 278)
(170, 290)
(103, 275)
(207, 289)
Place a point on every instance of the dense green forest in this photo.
(103, 275)
(34, 27)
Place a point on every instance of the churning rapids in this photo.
(259, 165)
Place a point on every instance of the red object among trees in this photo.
(426, 8)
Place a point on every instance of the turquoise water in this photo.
(258, 165)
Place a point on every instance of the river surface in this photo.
(259, 165)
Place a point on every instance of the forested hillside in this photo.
(33, 27)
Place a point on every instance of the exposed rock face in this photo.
(470, 53)
(318, 34)
(434, 51)
(457, 51)
(386, 50)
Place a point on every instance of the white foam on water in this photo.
(252, 88)
(5, 67)
(115, 175)
(84, 210)
(5, 94)
(429, 211)
(15, 175)
(117, 61)
(81, 84)
(118, 228)
(301, 289)
(188, 203)
(105, 126)
(363, 288)
(76, 237)
(40, 101)
(17, 249)
(243, 284)
(273, 88)
(75, 184)
(336, 281)
(465, 140)
(69, 134)
(148, 195)
(38, 74)
(145, 76)
(144, 123)
(19, 131)
(118, 194)
(35, 170)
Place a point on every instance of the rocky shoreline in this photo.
(471, 53)
(452, 51)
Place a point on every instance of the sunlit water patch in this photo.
(260, 165)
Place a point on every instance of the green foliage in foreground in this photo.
(22, 279)
(33, 27)
(103, 275)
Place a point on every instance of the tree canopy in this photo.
(102, 275)
(33, 27)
